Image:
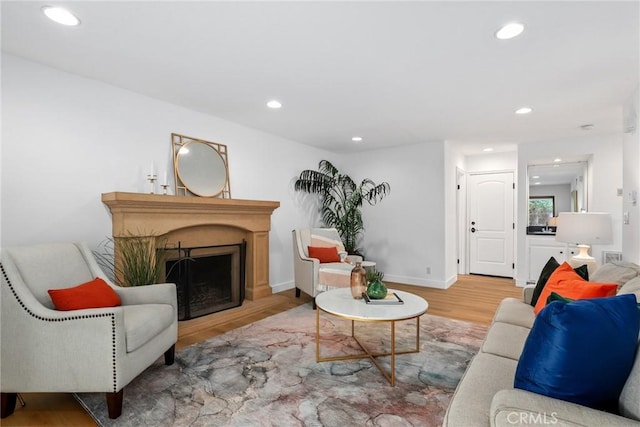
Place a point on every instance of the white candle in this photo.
(153, 168)
(165, 177)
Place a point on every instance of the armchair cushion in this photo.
(324, 254)
(94, 294)
(145, 321)
(326, 237)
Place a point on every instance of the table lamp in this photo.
(584, 229)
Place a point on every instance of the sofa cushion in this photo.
(506, 340)
(522, 408)
(566, 282)
(576, 290)
(145, 321)
(581, 352)
(515, 312)
(618, 271)
(547, 271)
(629, 401)
(485, 376)
(94, 294)
(631, 287)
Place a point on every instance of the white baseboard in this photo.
(418, 281)
(280, 287)
(521, 283)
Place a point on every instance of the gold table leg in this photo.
(390, 376)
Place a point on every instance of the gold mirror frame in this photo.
(179, 144)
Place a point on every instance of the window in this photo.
(541, 209)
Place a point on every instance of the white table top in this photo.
(341, 303)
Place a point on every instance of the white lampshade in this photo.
(585, 228)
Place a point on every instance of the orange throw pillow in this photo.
(329, 254)
(566, 282)
(94, 294)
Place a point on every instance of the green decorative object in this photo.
(376, 289)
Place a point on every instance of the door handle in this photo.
(473, 229)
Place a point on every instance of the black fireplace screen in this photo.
(208, 278)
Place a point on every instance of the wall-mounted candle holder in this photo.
(164, 188)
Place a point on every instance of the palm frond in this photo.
(377, 193)
(326, 167)
(341, 199)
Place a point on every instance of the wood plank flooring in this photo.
(471, 298)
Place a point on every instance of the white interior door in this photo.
(491, 224)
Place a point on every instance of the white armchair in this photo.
(89, 350)
(307, 270)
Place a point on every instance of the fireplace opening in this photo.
(208, 278)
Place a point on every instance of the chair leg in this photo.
(314, 303)
(8, 404)
(114, 403)
(297, 293)
(170, 355)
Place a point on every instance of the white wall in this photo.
(404, 233)
(491, 162)
(453, 247)
(67, 139)
(631, 180)
(604, 178)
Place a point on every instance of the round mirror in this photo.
(201, 169)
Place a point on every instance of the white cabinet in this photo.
(540, 249)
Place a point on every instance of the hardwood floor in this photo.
(471, 298)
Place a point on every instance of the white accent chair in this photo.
(307, 270)
(90, 350)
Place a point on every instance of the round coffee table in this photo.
(340, 303)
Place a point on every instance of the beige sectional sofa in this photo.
(486, 397)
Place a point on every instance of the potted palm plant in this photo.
(341, 199)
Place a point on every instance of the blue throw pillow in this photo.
(581, 351)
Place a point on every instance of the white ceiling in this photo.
(392, 72)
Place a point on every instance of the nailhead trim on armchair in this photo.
(84, 316)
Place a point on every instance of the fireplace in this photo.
(208, 278)
(199, 222)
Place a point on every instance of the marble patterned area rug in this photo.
(266, 374)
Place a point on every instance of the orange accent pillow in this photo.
(329, 254)
(94, 294)
(566, 282)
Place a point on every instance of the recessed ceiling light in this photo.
(524, 110)
(536, 183)
(535, 176)
(509, 31)
(61, 16)
(356, 139)
(274, 104)
(487, 150)
(558, 159)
